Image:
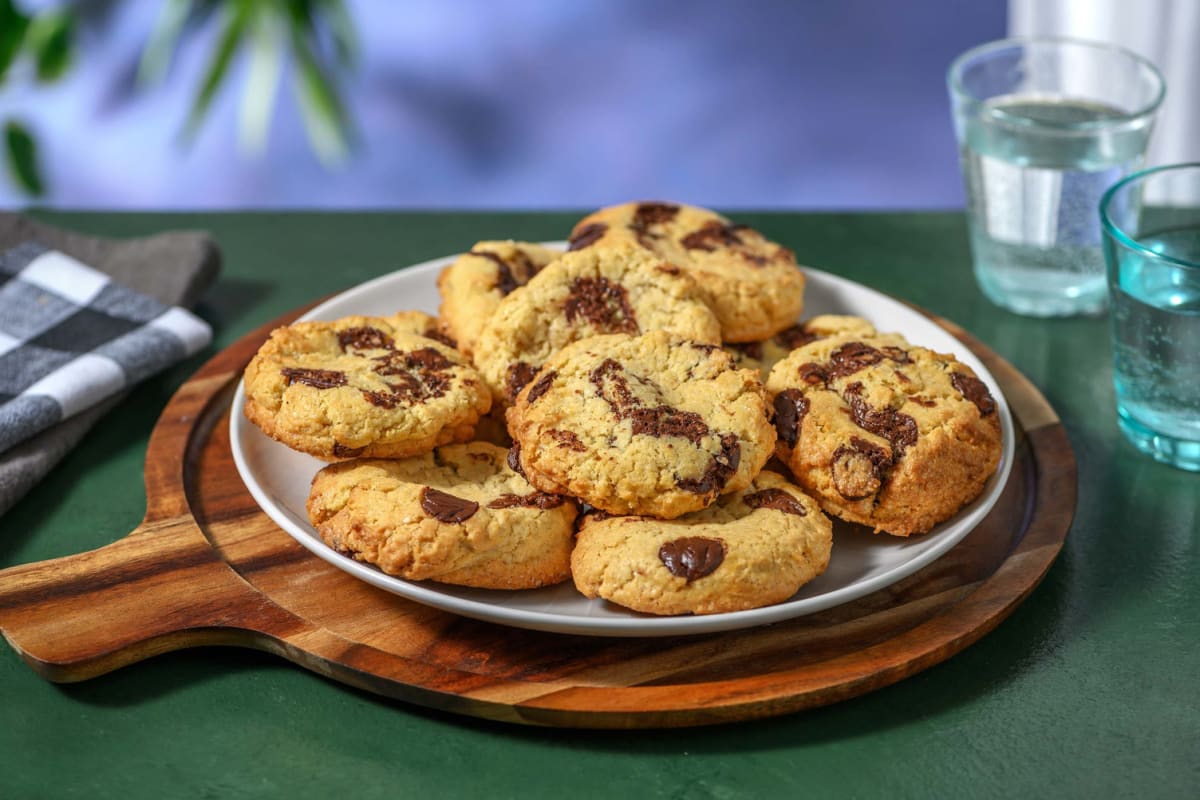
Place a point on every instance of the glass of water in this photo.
(1151, 224)
(1044, 127)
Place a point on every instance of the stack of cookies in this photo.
(607, 414)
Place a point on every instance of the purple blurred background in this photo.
(827, 104)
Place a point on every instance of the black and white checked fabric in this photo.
(70, 338)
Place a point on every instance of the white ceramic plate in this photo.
(861, 563)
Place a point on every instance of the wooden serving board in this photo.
(207, 567)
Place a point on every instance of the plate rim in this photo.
(625, 626)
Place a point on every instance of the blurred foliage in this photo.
(314, 38)
(22, 157)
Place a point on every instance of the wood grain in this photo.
(206, 566)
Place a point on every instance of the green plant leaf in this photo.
(326, 19)
(51, 38)
(21, 153)
(13, 25)
(321, 107)
(168, 27)
(237, 22)
(262, 81)
(341, 27)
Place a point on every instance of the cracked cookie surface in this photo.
(649, 424)
(474, 284)
(884, 433)
(456, 515)
(589, 293)
(362, 386)
(753, 285)
(751, 548)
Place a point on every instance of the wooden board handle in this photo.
(161, 588)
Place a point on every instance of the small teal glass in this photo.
(1151, 224)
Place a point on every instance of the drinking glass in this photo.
(1044, 127)
(1151, 224)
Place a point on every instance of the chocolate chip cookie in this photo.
(751, 548)
(362, 386)
(475, 283)
(884, 433)
(753, 285)
(591, 292)
(651, 424)
(456, 515)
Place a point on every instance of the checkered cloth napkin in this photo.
(71, 338)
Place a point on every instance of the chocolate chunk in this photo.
(542, 500)
(424, 360)
(858, 469)
(566, 439)
(595, 514)
(317, 378)
(662, 420)
(720, 469)
(341, 451)
(417, 376)
(852, 357)
(427, 359)
(648, 215)
(364, 338)
(711, 235)
(790, 407)
(418, 388)
(899, 429)
(435, 384)
(586, 236)
(389, 399)
(795, 337)
(518, 376)
(603, 304)
(922, 401)
(813, 373)
(692, 557)
(666, 421)
(749, 349)
(777, 499)
(974, 390)
(514, 459)
(440, 336)
(610, 377)
(655, 213)
(541, 387)
(446, 507)
(506, 280)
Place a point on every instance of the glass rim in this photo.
(1112, 229)
(957, 67)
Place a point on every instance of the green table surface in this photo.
(1089, 689)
